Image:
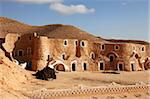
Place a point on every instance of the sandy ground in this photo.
(71, 79)
(14, 81)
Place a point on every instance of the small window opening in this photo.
(103, 47)
(93, 55)
(83, 44)
(20, 53)
(63, 57)
(116, 47)
(142, 48)
(65, 42)
(48, 57)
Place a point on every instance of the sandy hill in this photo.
(54, 30)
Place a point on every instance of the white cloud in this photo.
(72, 9)
(38, 1)
(58, 6)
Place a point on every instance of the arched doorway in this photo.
(84, 65)
(73, 67)
(112, 56)
(133, 67)
(59, 67)
(120, 66)
(101, 65)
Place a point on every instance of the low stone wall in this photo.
(111, 89)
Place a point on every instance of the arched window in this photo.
(65, 42)
(92, 55)
(116, 47)
(63, 56)
(82, 43)
(112, 57)
(143, 49)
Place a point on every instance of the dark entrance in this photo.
(20, 53)
(111, 58)
(73, 67)
(133, 67)
(120, 67)
(60, 67)
(85, 66)
(101, 66)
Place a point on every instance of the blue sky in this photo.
(120, 19)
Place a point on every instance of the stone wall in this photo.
(25, 45)
(45, 48)
(124, 53)
(40, 49)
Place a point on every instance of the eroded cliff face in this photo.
(12, 78)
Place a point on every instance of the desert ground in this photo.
(72, 79)
(15, 81)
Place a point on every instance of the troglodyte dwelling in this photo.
(71, 48)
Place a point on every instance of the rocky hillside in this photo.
(53, 30)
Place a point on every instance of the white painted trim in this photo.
(133, 62)
(84, 43)
(58, 61)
